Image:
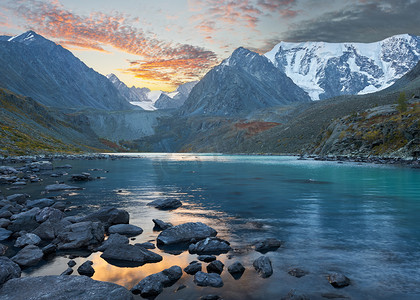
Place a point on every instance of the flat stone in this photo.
(263, 266)
(184, 233)
(86, 269)
(338, 280)
(8, 270)
(206, 258)
(267, 245)
(153, 285)
(215, 267)
(81, 235)
(27, 239)
(61, 187)
(17, 198)
(114, 239)
(210, 245)
(4, 234)
(205, 279)
(63, 288)
(165, 204)
(193, 268)
(49, 230)
(49, 213)
(146, 245)
(28, 256)
(68, 271)
(108, 216)
(161, 225)
(41, 203)
(126, 253)
(125, 229)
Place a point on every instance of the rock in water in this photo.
(61, 187)
(153, 284)
(8, 270)
(338, 280)
(297, 272)
(205, 279)
(211, 245)
(27, 239)
(267, 245)
(81, 235)
(184, 233)
(160, 225)
(63, 288)
(206, 258)
(215, 267)
(4, 234)
(41, 203)
(165, 204)
(193, 268)
(114, 239)
(125, 229)
(236, 270)
(28, 256)
(86, 269)
(125, 254)
(68, 271)
(109, 216)
(263, 266)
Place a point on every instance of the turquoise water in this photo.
(360, 220)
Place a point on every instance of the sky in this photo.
(161, 44)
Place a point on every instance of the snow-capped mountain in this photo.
(241, 84)
(326, 70)
(177, 98)
(36, 67)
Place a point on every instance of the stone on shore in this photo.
(146, 245)
(27, 239)
(193, 268)
(24, 221)
(125, 229)
(215, 267)
(210, 245)
(63, 288)
(3, 249)
(41, 203)
(4, 234)
(236, 270)
(4, 223)
(263, 266)
(61, 187)
(68, 271)
(165, 204)
(153, 285)
(81, 235)
(205, 279)
(49, 249)
(114, 239)
(86, 268)
(8, 270)
(338, 280)
(185, 233)
(160, 225)
(49, 213)
(17, 198)
(28, 256)
(49, 230)
(123, 254)
(270, 244)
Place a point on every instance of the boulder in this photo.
(49, 213)
(8, 270)
(215, 267)
(63, 288)
(165, 204)
(24, 221)
(27, 239)
(263, 266)
(41, 203)
(267, 245)
(4, 223)
(49, 230)
(236, 270)
(184, 233)
(86, 269)
(114, 239)
(61, 187)
(211, 245)
(71, 263)
(28, 256)
(3, 249)
(206, 258)
(125, 229)
(81, 235)
(193, 268)
(41, 165)
(153, 285)
(81, 177)
(17, 198)
(338, 280)
(5, 213)
(146, 245)
(108, 216)
(4, 234)
(49, 249)
(68, 271)
(129, 255)
(205, 279)
(160, 225)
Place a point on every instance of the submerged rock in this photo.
(338, 280)
(8, 270)
(184, 233)
(86, 269)
(205, 279)
(17, 198)
(211, 245)
(63, 288)
(126, 253)
(160, 225)
(165, 204)
(267, 245)
(153, 284)
(263, 266)
(28, 256)
(125, 229)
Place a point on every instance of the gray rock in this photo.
(338, 280)
(184, 233)
(211, 297)
(3, 249)
(215, 267)
(61, 187)
(81, 177)
(8, 270)
(206, 258)
(81, 235)
(71, 263)
(49, 249)
(4, 234)
(153, 284)
(204, 279)
(28, 256)
(165, 204)
(63, 288)
(293, 295)
(125, 229)
(17, 198)
(24, 221)
(193, 268)
(41, 203)
(60, 205)
(160, 225)
(41, 165)
(236, 269)
(27, 239)
(67, 166)
(5, 213)
(4, 223)
(126, 253)
(68, 271)
(114, 239)
(297, 272)
(267, 245)
(49, 213)
(50, 230)
(263, 266)
(108, 216)
(211, 245)
(86, 268)
(146, 245)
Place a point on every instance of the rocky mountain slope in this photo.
(177, 98)
(325, 70)
(241, 84)
(36, 67)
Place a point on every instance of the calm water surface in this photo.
(361, 220)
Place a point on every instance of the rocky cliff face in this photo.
(175, 99)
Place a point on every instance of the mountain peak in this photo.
(26, 37)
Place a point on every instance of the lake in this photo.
(362, 220)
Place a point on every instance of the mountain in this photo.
(34, 66)
(177, 98)
(325, 70)
(243, 83)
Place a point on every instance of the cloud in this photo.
(365, 21)
(96, 30)
(283, 7)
